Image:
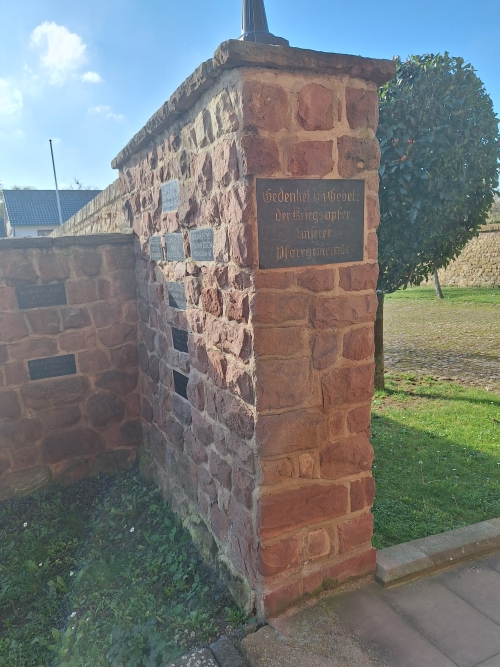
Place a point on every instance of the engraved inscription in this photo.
(170, 196)
(176, 295)
(155, 249)
(52, 367)
(174, 247)
(180, 384)
(180, 339)
(38, 296)
(303, 222)
(202, 244)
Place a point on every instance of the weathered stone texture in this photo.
(478, 265)
(62, 427)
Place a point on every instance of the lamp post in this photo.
(254, 25)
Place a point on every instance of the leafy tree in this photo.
(440, 150)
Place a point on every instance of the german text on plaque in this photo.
(176, 295)
(52, 367)
(155, 249)
(174, 247)
(202, 244)
(303, 222)
(37, 296)
(170, 196)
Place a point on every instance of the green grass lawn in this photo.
(102, 573)
(451, 294)
(437, 449)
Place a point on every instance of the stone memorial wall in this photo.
(478, 265)
(69, 394)
(253, 194)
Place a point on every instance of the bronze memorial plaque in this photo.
(303, 222)
(38, 296)
(52, 367)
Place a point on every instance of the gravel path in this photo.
(459, 341)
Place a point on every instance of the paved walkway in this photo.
(446, 620)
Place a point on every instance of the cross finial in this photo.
(254, 25)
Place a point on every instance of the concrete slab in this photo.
(452, 625)
(478, 585)
(386, 632)
(491, 662)
(493, 562)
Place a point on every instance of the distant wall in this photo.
(72, 425)
(102, 215)
(478, 265)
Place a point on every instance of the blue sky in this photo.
(89, 74)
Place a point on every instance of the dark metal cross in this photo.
(254, 25)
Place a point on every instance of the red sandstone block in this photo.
(265, 105)
(75, 318)
(356, 532)
(220, 523)
(316, 280)
(290, 431)
(8, 299)
(147, 411)
(12, 327)
(54, 392)
(269, 308)
(260, 156)
(207, 484)
(87, 262)
(5, 463)
(316, 107)
(220, 470)
(194, 449)
(202, 172)
(235, 414)
(202, 429)
(282, 383)
(124, 357)
(348, 456)
(357, 155)
(372, 212)
(237, 306)
(60, 418)
(44, 320)
(240, 383)
(362, 493)
(310, 158)
(242, 453)
(285, 341)
(4, 354)
(301, 506)
(274, 280)
(130, 313)
(104, 289)
(81, 291)
(196, 392)
(16, 374)
(133, 406)
(343, 310)
(347, 385)
(359, 419)
(276, 471)
(104, 408)
(241, 245)
(17, 269)
(361, 108)
(70, 444)
(25, 456)
(198, 356)
(118, 382)
(53, 267)
(193, 290)
(9, 405)
(325, 349)
(120, 257)
(243, 487)
(211, 301)
(74, 341)
(230, 338)
(371, 247)
(22, 431)
(236, 205)
(278, 601)
(359, 344)
(356, 278)
(118, 334)
(33, 348)
(123, 284)
(313, 583)
(281, 556)
(318, 544)
(225, 163)
(356, 566)
(306, 466)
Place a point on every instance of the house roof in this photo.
(39, 207)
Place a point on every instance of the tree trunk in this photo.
(437, 286)
(379, 343)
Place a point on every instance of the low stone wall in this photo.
(103, 215)
(73, 425)
(478, 265)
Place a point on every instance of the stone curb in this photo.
(221, 653)
(417, 558)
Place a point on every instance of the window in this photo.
(44, 232)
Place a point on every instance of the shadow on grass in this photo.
(492, 399)
(427, 483)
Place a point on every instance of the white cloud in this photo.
(11, 99)
(61, 51)
(92, 77)
(106, 112)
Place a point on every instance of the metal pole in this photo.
(55, 179)
(254, 24)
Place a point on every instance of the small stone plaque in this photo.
(180, 384)
(38, 296)
(155, 249)
(180, 339)
(170, 196)
(202, 244)
(175, 247)
(176, 295)
(52, 367)
(303, 222)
